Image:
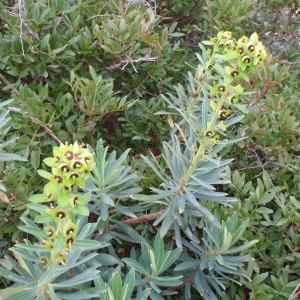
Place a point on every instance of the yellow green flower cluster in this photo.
(229, 63)
(61, 237)
(71, 166)
(222, 71)
(233, 59)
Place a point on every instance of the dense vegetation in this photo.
(149, 149)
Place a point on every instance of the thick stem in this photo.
(202, 147)
(135, 221)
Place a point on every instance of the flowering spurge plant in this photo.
(45, 266)
(59, 268)
(193, 158)
(71, 165)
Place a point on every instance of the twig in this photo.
(295, 293)
(254, 167)
(134, 221)
(123, 63)
(258, 159)
(60, 20)
(51, 134)
(4, 80)
(42, 126)
(21, 5)
(289, 62)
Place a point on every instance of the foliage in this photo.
(273, 218)
(272, 126)
(213, 263)
(228, 15)
(193, 166)
(4, 119)
(141, 123)
(95, 97)
(165, 98)
(111, 180)
(5, 157)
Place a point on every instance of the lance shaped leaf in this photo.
(112, 180)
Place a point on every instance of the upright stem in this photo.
(203, 144)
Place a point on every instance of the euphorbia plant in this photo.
(71, 166)
(192, 157)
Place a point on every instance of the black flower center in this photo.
(65, 168)
(251, 48)
(74, 176)
(209, 134)
(50, 233)
(223, 115)
(70, 241)
(234, 73)
(247, 60)
(75, 200)
(222, 88)
(70, 231)
(77, 164)
(44, 261)
(58, 179)
(69, 155)
(60, 215)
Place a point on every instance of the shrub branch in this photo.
(44, 127)
(139, 220)
(123, 63)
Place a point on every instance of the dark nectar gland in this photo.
(69, 155)
(222, 88)
(60, 215)
(58, 179)
(65, 168)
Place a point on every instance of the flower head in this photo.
(60, 260)
(70, 229)
(57, 213)
(44, 261)
(50, 231)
